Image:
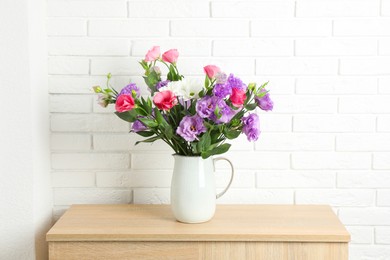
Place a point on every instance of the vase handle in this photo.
(231, 176)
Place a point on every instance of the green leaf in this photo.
(128, 116)
(148, 122)
(206, 82)
(145, 133)
(151, 80)
(149, 140)
(159, 117)
(215, 133)
(168, 132)
(251, 107)
(204, 142)
(231, 134)
(264, 85)
(217, 150)
(194, 146)
(144, 64)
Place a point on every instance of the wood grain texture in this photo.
(197, 250)
(278, 223)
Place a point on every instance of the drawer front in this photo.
(197, 250)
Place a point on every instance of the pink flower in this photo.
(165, 100)
(238, 97)
(211, 70)
(124, 103)
(153, 54)
(170, 56)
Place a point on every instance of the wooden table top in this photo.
(304, 223)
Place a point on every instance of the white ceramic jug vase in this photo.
(193, 191)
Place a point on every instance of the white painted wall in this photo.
(43, 193)
(25, 192)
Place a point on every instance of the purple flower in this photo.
(161, 84)
(252, 134)
(225, 112)
(265, 102)
(214, 108)
(128, 90)
(234, 82)
(205, 106)
(190, 127)
(222, 90)
(251, 127)
(138, 126)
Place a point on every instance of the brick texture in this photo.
(326, 142)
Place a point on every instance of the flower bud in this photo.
(252, 86)
(97, 89)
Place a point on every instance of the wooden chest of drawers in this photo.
(236, 232)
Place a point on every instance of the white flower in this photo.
(187, 89)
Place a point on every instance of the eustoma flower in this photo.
(214, 108)
(165, 100)
(222, 90)
(265, 102)
(190, 127)
(138, 126)
(225, 113)
(238, 97)
(186, 89)
(194, 118)
(205, 106)
(211, 70)
(251, 127)
(153, 54)
(161, 84)
(124, 103)
(131, 89)
(170, 56)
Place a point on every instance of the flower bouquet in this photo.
(194, 119)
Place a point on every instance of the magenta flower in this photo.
(238, 97)
(211, 70)
(190, 127)
(170, 56)
(165, 100)
(251, 127)
(124, 103)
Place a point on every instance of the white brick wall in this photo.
(327, 140)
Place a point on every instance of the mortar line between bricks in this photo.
(250, 28)
(381, 8)
(128, 9)
(377, 47)
(295, 8)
